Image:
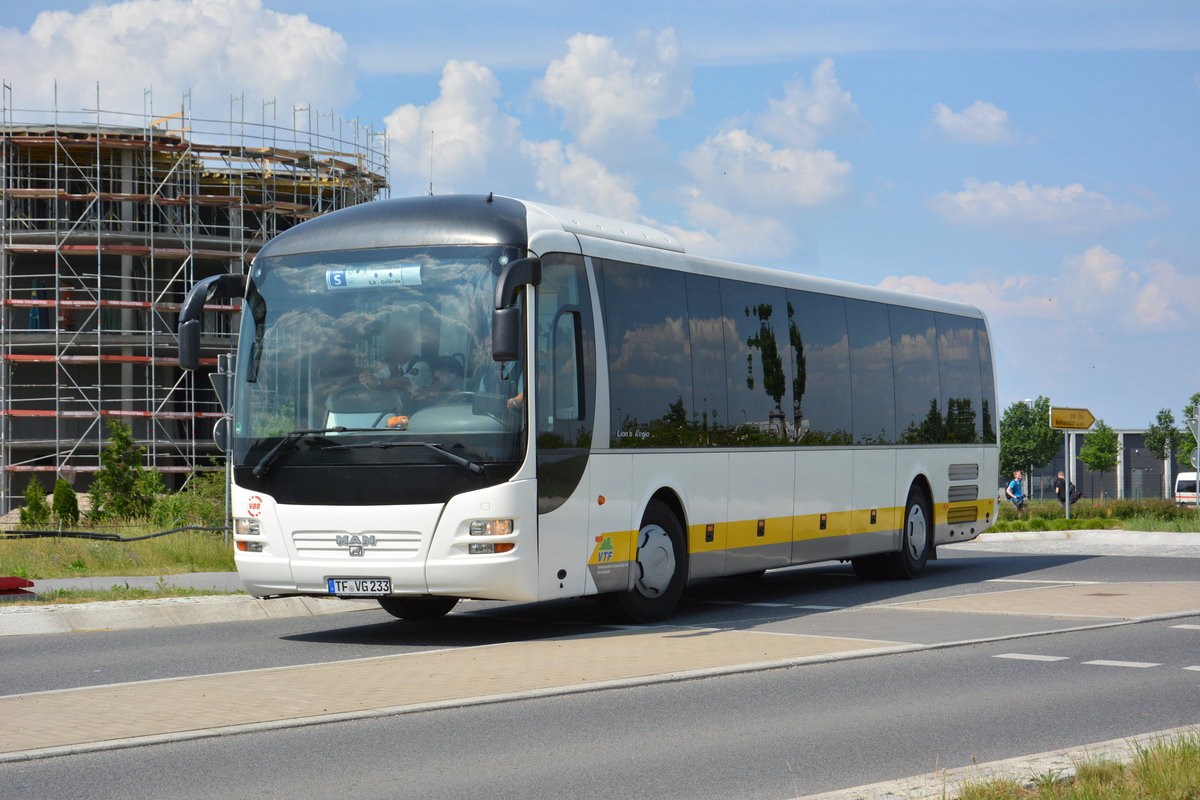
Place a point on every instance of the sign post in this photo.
(1194, 425)
(1068, 420)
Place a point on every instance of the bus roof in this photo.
(496, 220)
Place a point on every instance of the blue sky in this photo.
(1037, 159)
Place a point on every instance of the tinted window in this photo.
(710, 415)
(758, 352)
(649, 357)
(987, 383)
(874, 401)
(919, 411)
(958, 362)
(565, 356)
(820, 368)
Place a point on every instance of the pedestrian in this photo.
(1063, 490)
(1016, 492)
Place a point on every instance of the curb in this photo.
(1062, 764)
(1147, 538)
(165, 612)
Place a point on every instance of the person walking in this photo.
(1016, 492)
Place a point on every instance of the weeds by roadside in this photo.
(56, 597)
(1140, 515)
(1167, 770)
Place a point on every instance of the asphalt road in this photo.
(60, 661)
(772, 734)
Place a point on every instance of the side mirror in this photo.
(223, 287)
(507, 318)
(506, 334)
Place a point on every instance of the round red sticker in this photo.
(254, 505)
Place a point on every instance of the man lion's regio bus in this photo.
(463, 396)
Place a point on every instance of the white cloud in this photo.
(215, 48)
(1096, 290)
(736, 168)
(576, 180)
(609, 100)
(808, 111)
(1034, 209)
(473, 140)
(717, 232)
(978, 123)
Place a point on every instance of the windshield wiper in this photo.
(291, 437)
(437, 448)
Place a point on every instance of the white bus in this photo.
(480, 397)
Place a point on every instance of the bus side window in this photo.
(567, 352)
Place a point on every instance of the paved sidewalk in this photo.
(121, 715)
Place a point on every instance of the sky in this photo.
(1036, 158)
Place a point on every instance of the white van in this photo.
(1185, 489)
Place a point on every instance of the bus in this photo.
(451, 397)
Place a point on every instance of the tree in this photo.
(1187, 442)
(1100, 449)
(1026, 438)
(36, 510)
(1162, 437)
(122, 488)
(66, 504)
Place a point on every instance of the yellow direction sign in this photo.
(1071, 419)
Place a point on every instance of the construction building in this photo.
(103, 228)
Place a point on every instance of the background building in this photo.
(106, 219)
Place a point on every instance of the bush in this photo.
(1037, 524)
(201, 502)
(36, 510)
(66, 504)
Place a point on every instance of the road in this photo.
(772, 734)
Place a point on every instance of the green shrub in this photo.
(36, 510)
(1037, 523)
(201, 502)
(1093, 524)
(66, 504)
(122, 488)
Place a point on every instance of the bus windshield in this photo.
(376, 357)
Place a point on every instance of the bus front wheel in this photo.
(659, 569)
(417, 609)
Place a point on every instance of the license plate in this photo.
(359, 586)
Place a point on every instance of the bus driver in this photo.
(402, 368)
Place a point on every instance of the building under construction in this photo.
(103, 227)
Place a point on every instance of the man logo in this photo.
(355, 543)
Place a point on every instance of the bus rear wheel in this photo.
(659, 569)
(916, 543)
(417, 609)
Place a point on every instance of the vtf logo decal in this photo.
(605, 552)
(355, 543)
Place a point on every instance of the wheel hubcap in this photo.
(915, 532)
(656, 561)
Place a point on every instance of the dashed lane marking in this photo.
(1129, 664)
(1187, 627)
(1192, 669)
(1031, 657)
(821, 608)
(769, 605)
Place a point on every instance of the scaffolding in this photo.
(106, 219)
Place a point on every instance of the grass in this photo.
(1168, 770)
(190, 551)
(66, 596)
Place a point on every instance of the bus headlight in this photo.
(246, 527)
(491, 527)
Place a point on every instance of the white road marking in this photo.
(1193, 669)
(821, 608)
(1187, 627)
(1030, 657)
(768, 605)
(1130, 664)
(1031, 580)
